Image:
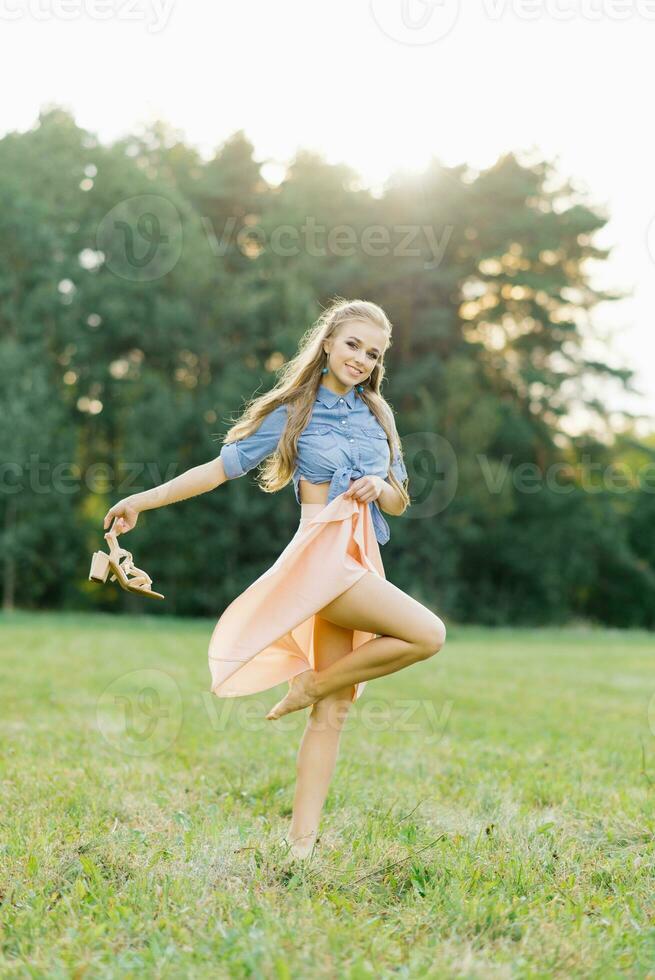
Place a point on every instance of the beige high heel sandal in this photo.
(119, 561)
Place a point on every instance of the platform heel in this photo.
(99, 567)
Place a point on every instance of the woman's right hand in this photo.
(125, 516)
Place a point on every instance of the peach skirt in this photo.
(266, 635)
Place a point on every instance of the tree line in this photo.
(146, 293)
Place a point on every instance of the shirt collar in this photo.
(330, 399)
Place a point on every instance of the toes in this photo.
(278, 709)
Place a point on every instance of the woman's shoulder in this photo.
(274, 420)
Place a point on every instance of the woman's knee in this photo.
(431, 638)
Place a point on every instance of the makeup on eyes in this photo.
(373, 350)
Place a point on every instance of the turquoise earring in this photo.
(324, 371)
(360, 388)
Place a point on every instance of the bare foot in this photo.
(300, 847)
(301, 693)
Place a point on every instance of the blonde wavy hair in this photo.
(298, 384)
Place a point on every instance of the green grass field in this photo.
(491, 814)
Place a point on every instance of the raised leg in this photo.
(408, 632)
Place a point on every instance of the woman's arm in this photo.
(199, 479)
(236, 459)
(390, 500)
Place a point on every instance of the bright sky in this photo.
(379, 85)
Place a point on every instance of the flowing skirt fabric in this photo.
(266, 635)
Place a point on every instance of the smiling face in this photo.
(354, 351)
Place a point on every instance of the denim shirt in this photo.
(343, 440)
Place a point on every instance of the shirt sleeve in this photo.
(243, 455)
(398, 467)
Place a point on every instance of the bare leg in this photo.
(319, 747)
(374, 605)
(376, 658)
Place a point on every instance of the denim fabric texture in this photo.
(343, 440)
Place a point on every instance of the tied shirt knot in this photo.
(340, 482)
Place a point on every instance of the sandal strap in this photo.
(125, 561)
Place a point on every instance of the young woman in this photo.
(323, 617)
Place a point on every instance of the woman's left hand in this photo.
(366, 488)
